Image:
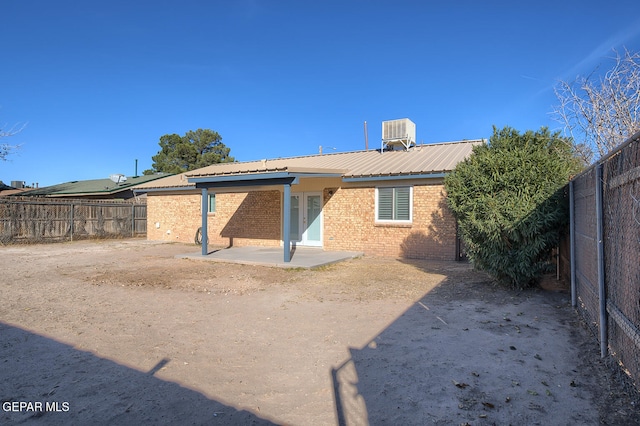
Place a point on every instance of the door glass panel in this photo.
(314, 207)
(295, 218)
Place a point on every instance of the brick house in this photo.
(382, 203)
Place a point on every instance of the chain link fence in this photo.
(585, 248)
(29, 220)
(605, 242)
(621, 213)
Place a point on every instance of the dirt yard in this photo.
(121, 332)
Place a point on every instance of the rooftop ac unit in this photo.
(396, 133)
(118, 178)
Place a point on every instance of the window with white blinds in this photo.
(394, 204)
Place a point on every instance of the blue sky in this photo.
(97, 83)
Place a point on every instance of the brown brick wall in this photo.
(349, 219)
(247, 219)
(254, 218)
(173, 217)
(240, 219)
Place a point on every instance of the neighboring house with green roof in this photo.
(6, 190)
(119, 187)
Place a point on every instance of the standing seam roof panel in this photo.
(422, 159)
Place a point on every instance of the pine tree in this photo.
(195, 149)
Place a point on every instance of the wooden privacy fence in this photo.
(605, 252)
(40, 220)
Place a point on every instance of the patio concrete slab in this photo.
(301, 257)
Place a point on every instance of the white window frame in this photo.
(215, 201)
(395, 221)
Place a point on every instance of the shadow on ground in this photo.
(475, 354)
(48, 371)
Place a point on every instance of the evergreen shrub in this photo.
(509, 200)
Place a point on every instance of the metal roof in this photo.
(420, 160)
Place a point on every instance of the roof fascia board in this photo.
(258, 179)
(301, 172)
(396, 177)
(290, 180)
(238, 177)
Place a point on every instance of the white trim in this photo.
(305, 241)
(215, 202)
(395, 222)
(302, 228)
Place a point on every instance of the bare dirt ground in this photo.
(121, 332)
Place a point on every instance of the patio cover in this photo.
(285, 176)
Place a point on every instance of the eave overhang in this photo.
(288, 177)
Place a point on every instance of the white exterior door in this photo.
(306, 218)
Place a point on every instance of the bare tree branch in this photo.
(601, 113)
(5, 148)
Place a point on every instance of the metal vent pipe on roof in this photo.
(366, 137)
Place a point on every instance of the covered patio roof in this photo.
(286, 177)
(290, 175)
